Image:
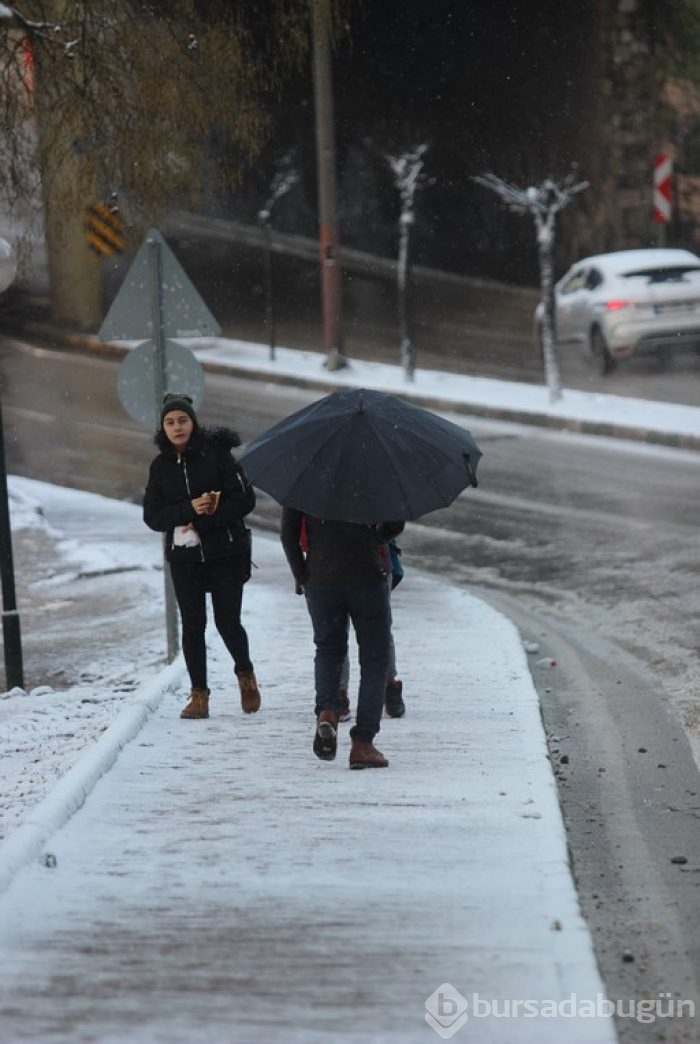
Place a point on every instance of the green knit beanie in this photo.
(176, 401)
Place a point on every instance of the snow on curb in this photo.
(602, 413)
(25, 843)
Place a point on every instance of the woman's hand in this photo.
(214, 497)
(202, 504)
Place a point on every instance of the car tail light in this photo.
(616, 304)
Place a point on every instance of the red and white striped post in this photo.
(663, 193)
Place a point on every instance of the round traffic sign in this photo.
(136, 380)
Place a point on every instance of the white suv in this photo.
(630, 301)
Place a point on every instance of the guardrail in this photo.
(293, 245)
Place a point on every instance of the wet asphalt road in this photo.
(589, 544)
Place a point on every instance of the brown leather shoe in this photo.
(326, 735)
(198, 707)
(250, 693)
(364, 754)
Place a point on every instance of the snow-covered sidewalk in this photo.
(220, 883)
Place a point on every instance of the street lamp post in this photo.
(282, 182)
(264, 218)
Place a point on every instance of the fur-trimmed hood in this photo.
(222, 437)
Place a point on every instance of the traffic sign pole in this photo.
(156, 282)
(160, 384)
(158, 301)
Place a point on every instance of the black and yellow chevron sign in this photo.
(105, 230)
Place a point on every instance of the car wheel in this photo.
(602, 359)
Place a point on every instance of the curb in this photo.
(25, 842)
(90, 343)
(539, 420)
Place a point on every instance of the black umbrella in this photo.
(363, 456)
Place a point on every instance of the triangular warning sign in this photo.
(183, 312)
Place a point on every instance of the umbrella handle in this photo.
(470, 471)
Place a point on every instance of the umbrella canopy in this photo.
(363, 456)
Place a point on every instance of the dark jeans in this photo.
(221, 578)
(331, 607)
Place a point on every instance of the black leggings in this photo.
(222, 578)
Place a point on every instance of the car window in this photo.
(594, 279)
(667, 274)
(575, 281)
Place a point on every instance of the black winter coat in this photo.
(175, 479)
(336, 552)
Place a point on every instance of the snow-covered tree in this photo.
(543, 202)
(408, 175)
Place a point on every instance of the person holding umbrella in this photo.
(343, 578)
(348, 462)
(393, 697)
(199, 495)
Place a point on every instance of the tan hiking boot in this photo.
(364, 754)
(250, 693)
(326, 735)
(198, 707)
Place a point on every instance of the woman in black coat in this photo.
(199, 495)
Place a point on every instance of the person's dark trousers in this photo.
(221, 578)
(330, 607)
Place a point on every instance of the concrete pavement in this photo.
(220, 884)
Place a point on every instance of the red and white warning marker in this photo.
(663, 187)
